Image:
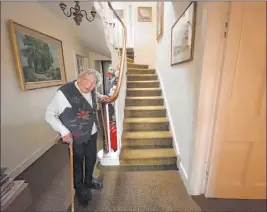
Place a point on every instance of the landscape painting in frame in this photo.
(182, 36)
(144, 14)
(38, 58)
(160, 20)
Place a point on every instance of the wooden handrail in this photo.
(119, 80)
(123, 57)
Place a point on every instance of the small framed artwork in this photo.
(144, 14)
(120, 13)
(38, 58)
(182, 36)
(160, 19)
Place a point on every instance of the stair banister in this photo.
(115, 95)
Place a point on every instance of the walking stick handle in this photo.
(71, 177)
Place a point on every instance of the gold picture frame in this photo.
(160, 19)
(144, 14)
(38, 57)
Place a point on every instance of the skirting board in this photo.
(32, 158)
(184, 177)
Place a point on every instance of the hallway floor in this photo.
(123, 190)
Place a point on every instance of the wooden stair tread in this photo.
(146, 120)
(147, 135)
(148, 153)
(145, 108)
(144, 97)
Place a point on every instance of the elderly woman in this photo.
(73, 114)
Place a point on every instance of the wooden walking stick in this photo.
(71, 177)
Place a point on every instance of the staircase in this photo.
(129, 53)
(147, 141)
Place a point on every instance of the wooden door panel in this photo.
(240, 132)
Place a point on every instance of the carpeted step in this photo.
(133, 65)
(140, 71)
(129, 60)
(152, 139)
(159, 157)
(129, 49)
(146, 124)
(145, 111)
(130, 56)
(145, 101)
(143, 77)
(136, 168)
(143, 92)
(143, 84)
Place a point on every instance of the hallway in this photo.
(124, 190)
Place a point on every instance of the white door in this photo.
(238, 161)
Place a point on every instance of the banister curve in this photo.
(122, 61)
(119, 80)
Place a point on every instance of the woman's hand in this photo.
(104, 97)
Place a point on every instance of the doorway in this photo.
(238, 154)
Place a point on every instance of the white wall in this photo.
(94, 57)
(141, 35)
(24, 133)
(180, 84)
(144, 35)
(125, 6)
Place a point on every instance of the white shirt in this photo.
(58, 105)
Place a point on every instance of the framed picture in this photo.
(120, 13)
(160, 19)
(80, 63)
(38, 58)
(182, 36)
(144, 14)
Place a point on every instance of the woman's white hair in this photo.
(93, 72)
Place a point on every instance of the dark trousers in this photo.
(84, 158)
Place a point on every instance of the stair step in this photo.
(148, 153)
(129, 60)
(164, 156)
(145, 111)
(143, 84)
(140, 71)
(145, 108)
(146, 120)
(128, 167)
(143, 92)
(147, 135)
(164, 142)
(146, 124)
(130, 56)
(134, 65)
(143, 77)
(143, 139)
(144, 101)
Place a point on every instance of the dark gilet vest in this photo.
(80, 118)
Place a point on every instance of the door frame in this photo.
(219, 120)
(208, 95)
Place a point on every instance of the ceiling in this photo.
(91, 34)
